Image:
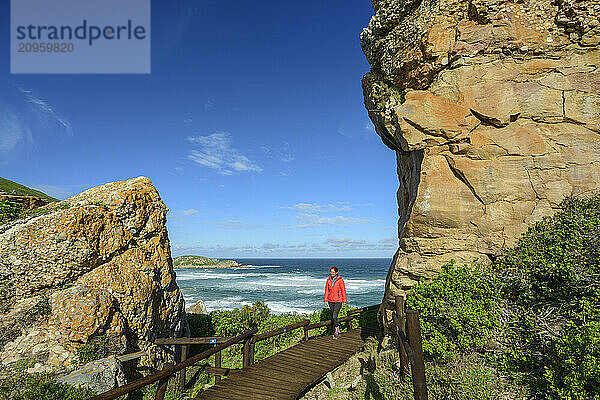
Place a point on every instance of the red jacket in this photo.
(335, 292)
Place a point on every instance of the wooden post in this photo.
(418, 364)
(305, 334)
(402, 327)
(217, 365)
(251, 352)
(161, 389)
(246, 353)
(184, 350)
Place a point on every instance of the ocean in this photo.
(286, 284)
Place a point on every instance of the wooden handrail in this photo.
(249, 338)
(191, 340)
(169, 370)
(364, 309)
(280, 330)
(328, 322)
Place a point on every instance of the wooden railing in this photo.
(168, 370)
(410, 346)
(249, 339)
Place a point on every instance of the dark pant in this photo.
(335, 310)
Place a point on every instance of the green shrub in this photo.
(95, 349)
(23, 364)
(551, 286)
(42, 387)
(8, 211)
(457, 310)
(235, 322)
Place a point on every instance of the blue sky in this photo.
(251, 126)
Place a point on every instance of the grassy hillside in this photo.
(199, 261)
(11, 187)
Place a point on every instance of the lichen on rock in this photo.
(104, 265)
(493, 110)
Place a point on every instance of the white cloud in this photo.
(308, 220)
(217, 153)
(286, 157)
(392, 240)
(346, 242)
(233, 224)
(344, 133)
(183, 213)
(12, 131)
(389, 243)
(282, 154)
(319, 208)
(46, 111)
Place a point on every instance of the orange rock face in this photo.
(493, 110)
(102, 260)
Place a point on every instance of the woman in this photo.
(335, 294)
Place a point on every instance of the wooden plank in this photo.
(292, 371)
(261, 375)
(305, 361)
(297, 363)
(263, 385)
(240, 393)
(322, 355)
(315, 354)
(268, 376)
(219, 394)
(212, 394)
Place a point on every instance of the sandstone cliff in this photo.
(98, 263)
(493, 110)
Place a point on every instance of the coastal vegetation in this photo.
(203, 262)
(24, 386)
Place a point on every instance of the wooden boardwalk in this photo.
(287, 374)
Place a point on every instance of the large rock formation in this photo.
(96, 264)
(493, 110)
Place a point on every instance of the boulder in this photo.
(100, 375)
(492, 108)
(198, 308)
(100, 264)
